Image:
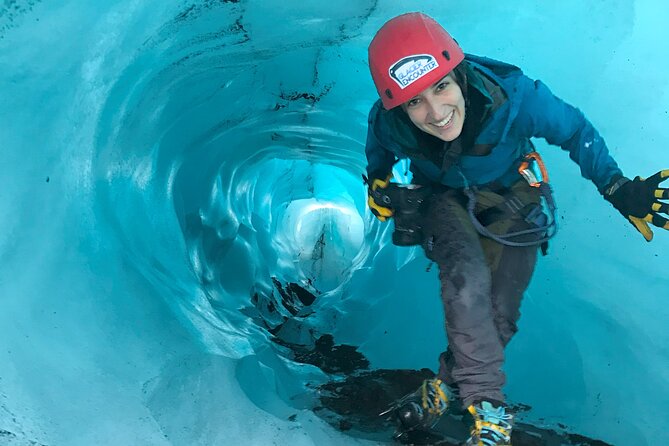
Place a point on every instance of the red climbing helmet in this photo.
(408, 54)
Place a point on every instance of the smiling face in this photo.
(439, 109)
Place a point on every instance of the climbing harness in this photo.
(546, 226)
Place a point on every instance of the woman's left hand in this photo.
(638, 201)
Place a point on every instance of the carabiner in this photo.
(526, 171)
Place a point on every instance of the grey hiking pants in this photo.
(482, 284)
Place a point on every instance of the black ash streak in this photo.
(310, 98)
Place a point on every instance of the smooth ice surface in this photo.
(162, 161)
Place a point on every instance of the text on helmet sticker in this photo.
(409, 69)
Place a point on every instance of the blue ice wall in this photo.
(162, 162)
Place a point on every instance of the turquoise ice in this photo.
(162, 161)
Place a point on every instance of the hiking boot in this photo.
(492, 425)
(421, 409)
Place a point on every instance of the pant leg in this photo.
(454, 245)
(509, 280)
(512, 267)
(511, 270)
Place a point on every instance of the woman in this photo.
(465, 124)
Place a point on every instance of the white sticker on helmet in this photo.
(409, 69)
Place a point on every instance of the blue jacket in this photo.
(531, 110)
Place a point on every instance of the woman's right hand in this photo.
(380, 211)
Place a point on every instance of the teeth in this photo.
(445, 121)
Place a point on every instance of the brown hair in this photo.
(460, 75)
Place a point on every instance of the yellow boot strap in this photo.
(439, 395)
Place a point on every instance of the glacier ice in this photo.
(172, 170)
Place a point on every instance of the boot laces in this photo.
(492, 425)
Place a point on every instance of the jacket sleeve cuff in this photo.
(615, 183)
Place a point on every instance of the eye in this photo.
(413, 102)
(442, 85)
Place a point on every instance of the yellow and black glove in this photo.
(638, 201)
(376, 205)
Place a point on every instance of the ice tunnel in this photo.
(186, 253)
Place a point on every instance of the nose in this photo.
(435, 111)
